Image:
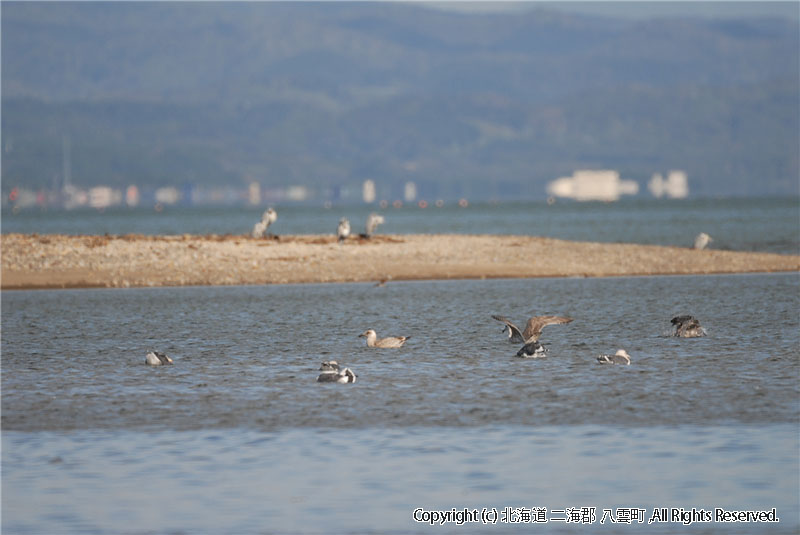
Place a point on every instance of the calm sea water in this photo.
(237, 436)
(770, 225)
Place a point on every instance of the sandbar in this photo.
(31, 261)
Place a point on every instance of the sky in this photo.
(640, 10)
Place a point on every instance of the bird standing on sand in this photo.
(374, 341)
(533, 328)
(373, 220)
(156, 358)
(701, 241)
(343, 230)
(687, 326)
(267, 218)
(620, 357)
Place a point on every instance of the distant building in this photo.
(676, 186)
(589, 185)
(168, 195)
(368, 191)
(103, 197)
(410, 193)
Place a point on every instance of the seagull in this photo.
(329, 366)
(532, 350)
(533, 329)
(259, 229)
(687, 327)
(156, 358)
(373, 220)
(267, 218)
(270, 216)
(343, 230)
(621, 357)
(342, 376)
(701, 241)
(391, 341)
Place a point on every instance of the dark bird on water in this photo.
(687, 326)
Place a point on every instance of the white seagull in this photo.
(620, 357)
(373, 220)
(156, 358)
(343, 230)
(701, 241)
(267, 218)
(374, 341)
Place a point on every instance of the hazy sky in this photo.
(634, 9)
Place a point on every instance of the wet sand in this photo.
(60, 261)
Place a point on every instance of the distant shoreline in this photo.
(31, 261)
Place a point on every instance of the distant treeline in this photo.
(328, 95)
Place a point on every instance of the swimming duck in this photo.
(532, 350)
(342, 376)
(390, 341)
(156, 358)
(533, 328)
(620, 357)
(687, 326)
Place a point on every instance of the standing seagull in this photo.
(687, 327)
(701, 241)
(620, 357)
(267, 218)
(533, 329)
(156, 358)
(374, 341)
(373, 220)
(343, 230)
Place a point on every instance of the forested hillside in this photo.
(327, 95)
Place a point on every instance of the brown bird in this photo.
(687, 327)
(533, 329)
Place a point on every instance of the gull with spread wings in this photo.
(533, 329)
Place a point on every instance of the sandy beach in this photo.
(60, 261)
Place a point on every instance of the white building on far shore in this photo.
(676, 186)
(591, 185)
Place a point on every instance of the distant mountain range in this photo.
(479, 104)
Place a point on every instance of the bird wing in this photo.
(535, 325)
(391, 341)
(515, 332)
(677, 320)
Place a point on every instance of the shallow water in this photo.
(237, 436)
(372, 480)
(767, 225)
